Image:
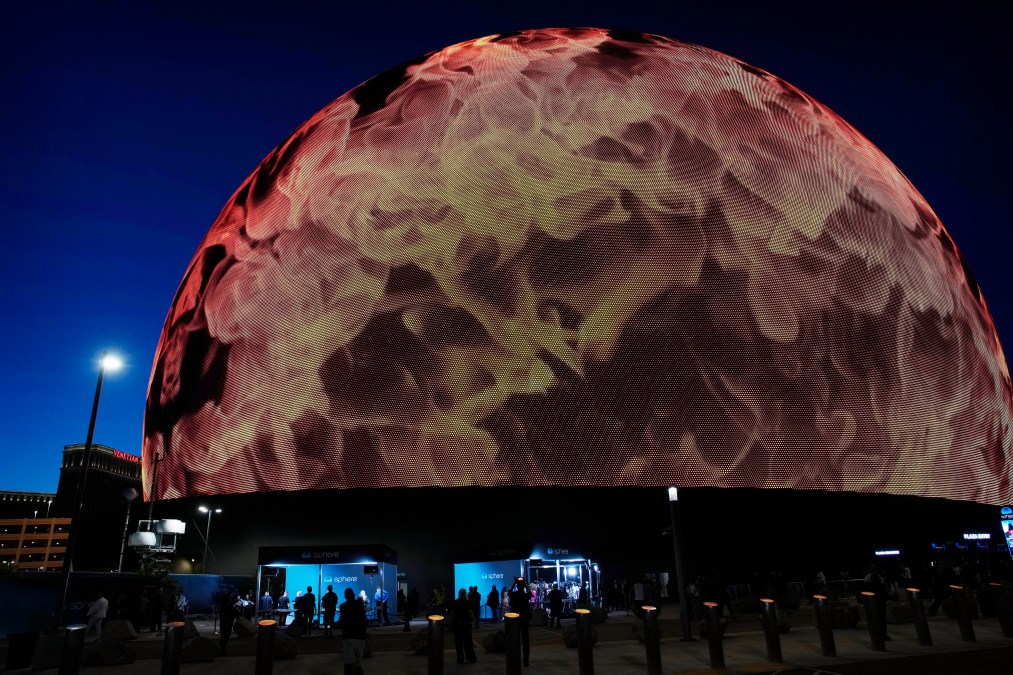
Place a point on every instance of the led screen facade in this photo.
(578, 257)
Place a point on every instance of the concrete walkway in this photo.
(617, 652)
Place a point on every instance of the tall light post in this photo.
(685, 613)
(130, 494)
(207, 535)
(112, 363)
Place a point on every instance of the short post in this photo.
(963, 615)
(513, 642)
(770, 634)
(73, 648)
(872, 619)
(173, 648)
(585, 655)
(824, 625)
(914, 598)
(717, 649)
(265, 647)
(1002, 609)
(652, 640)
(435, 644)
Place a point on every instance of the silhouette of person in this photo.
(329, 603)
(227, 617)
(555, 598)
(461, 620)
(519, 596)
(380, 600)
(352, 623)
(284, 607)
(492, 601)
(309, 608)
(475, 598)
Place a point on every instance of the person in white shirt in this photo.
(97, 614)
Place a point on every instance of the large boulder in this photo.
(420, 642)
(843, 614)
(570, 636)
(119, 629)
(285, 647)
(494, 643)
(189, 630)
(598, 615)
(106, 652)
(296, 629)
(898, 613)
(199, 649)
(244, 627)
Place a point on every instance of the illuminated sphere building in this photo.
(578, 257)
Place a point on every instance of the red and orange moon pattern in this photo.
(578, 257)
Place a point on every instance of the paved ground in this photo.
(619, 653)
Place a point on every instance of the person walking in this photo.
(461, 621)
(352, 623)
(97, 614)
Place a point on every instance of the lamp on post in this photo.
(112, 363)
(684, 610)
(130, 494)
(207, 535)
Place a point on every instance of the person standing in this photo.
(227, 616)
(352, 623)
(492, 601)
(284, 607)
(97, 614)
(461, 620)
(555, 598)
(475, 598)
(329, 603)
(413, 603)
(519, 596)
(309, 608)
(380, 600)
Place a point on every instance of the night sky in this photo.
(129, 125)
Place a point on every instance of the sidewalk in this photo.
(619, 653)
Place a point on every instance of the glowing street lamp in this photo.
(112, 363)
(207, 535)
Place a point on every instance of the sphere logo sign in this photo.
(578, 257)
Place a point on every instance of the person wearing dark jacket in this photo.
(352, 623)
(461, 620)
(520, 598)
(227, 618)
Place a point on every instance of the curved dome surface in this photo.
(578, 257)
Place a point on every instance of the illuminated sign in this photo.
(888, 552)
(977, 535)
(1006, 522)
(126, 455)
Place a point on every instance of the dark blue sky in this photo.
(127, 126)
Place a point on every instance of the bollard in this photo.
(172, 648)
(825, 625)
(652, 640)
(265, 647)
(963, 616)
(513, 642)
(585, 655)
(73, 648)
(874, 622)
(918, 616)
(717, 649)
(770, 634)
(435, 644)
(1002, 609)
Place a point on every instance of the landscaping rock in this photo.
(244, 627)
(106, 652)
(285, 647)
(119, 629)
(199, 649)
(494, 643)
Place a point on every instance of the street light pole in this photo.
(207, 535)
(130, 494)
(685, 612)
(111, 363)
